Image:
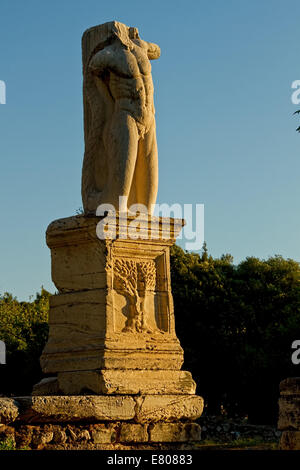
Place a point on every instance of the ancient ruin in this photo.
(119, 118)
(112, 363)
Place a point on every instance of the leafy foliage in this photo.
(24, 329)
(8, 444)
(236, 325)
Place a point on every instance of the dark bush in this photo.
(236, 325)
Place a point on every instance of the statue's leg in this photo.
(121, 142)
(146, 170)
(93, 179)
(88, 182)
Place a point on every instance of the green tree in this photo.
(24, 329)
(236, 325)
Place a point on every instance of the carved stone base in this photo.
(112, 328)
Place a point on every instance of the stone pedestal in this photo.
(112, 328)
(289, 414)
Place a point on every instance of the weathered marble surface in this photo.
(113, 313)
(96, 408)
(101, 422)
(119, 118)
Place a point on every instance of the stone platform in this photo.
(101, 422)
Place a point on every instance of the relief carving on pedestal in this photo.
(136, 279)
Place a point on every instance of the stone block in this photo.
(174, 432)
(24, 435)
(59, 436)
(152, 408)
(289, 412)
(290, 440)
(76, 331)
(47, 386)
(102, 434)
(84, 435)
(290, 386)
(76, 408)
(127, 382)
(133, 433)
(9, 410)
(40, 438)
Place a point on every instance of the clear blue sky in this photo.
(226, 134)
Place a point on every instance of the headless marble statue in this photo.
(119, 119)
